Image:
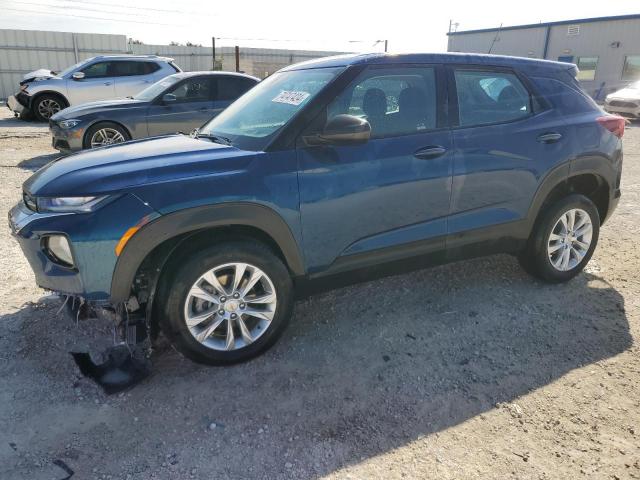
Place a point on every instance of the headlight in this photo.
(68, 123)
(68, 204)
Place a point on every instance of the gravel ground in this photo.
(470, 370)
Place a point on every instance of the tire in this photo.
(46, 105)
(544, 256)
(108, 133)
(177, 302)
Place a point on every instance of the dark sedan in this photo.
(177, 103)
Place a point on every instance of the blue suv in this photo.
(330, 171)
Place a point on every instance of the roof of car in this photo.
(214, 74)
(126, 56)
(417, 58)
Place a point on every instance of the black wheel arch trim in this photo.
(33, 99)
(165, 227)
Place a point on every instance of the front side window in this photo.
(395, 101)
(152, 91)
(486, 97)
(631, 70)
(587, 68)
(256, 117)
(98, 70)
(192, 90)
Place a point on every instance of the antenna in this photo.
(495, 39)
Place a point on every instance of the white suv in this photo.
(43, 92)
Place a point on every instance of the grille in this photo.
(620, 103)
(29, 201)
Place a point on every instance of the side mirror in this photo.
(78, 75)
(168, 98)
(343, 130)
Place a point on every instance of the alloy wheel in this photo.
(570, 239)
(106, 136)
(48, 107)
(230, 306)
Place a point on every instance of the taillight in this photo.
(613, 123)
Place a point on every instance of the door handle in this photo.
(428, 153)
(551, 137)
(107, 83)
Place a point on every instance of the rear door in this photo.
(97, 84)
(132, 77)
(192, 107)
(506, 139)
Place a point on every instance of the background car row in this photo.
(112, 99)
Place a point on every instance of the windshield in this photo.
(252, 121)
(152, 91)
(70, 69)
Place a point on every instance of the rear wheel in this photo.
(105, 133)
(226, 304)
(563, 240)
(47, 105)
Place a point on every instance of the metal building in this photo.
(605, 49)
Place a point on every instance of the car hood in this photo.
(116, 168)
(40, 74)
(100, 106)
(626, 94)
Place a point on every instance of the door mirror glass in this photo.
(344, 130)
(169, 98)
(78, 75)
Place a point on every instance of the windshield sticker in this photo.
(291, 97)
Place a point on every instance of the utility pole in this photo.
(213, 53)
(386, 45)
(237, 58)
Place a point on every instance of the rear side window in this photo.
(230, 88)
(486, 97)
(566, 98)
(127, 69)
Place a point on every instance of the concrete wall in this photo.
(596, 39)
(22, 51)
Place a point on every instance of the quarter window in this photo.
(587, 68)
(490, 97)
(395, 101)
(631, 70)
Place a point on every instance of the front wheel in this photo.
(563, 240)
(226, 304)
(45, 106)
(105, 133)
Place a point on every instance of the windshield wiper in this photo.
(216, 138)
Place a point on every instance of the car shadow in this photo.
(40, 161)
(369, 368)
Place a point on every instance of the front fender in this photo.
(196, 219)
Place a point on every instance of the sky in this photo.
(409, 26)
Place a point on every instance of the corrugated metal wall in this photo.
(22, 51)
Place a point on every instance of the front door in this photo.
(191, 106)
(387, 198)
(97, 84)
(505, 141)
